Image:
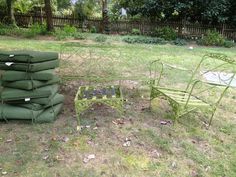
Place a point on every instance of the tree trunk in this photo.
(10, 12)
(105, 25)
(48, 11)
(104, 8)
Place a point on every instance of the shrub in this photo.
(166, 33)
(10, 30)
(3, 30)
(229, 44)
(65, 32)
(93, 29)
(36, 29)
(135, 31)
(143, 40)
(79, 36)
(70, 30)
(101, 38)
(60, 34)
(179, 42)
(212, 38)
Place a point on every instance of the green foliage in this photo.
(143, 40)
(229, 44)
(93, 29)
(211, 12)
(101, 38)
(66, 32)
(212, 38)
(36, 29)
(11, 30)
(63, 4)
(180, 42)
(166, 33)
(79, 36)
(3, 29)
(84, 8)
(60, 34)
(23, 6)
(70, 30)
(135, 31)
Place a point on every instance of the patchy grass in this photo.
(183, 149)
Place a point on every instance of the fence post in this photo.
(222, 29)
(180, 28)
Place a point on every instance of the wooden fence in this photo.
(184, 29)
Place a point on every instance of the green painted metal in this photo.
(89, 95)
(184, 101)
(96, 67)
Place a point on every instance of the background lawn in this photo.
(184, 149)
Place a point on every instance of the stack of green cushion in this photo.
(29, 86)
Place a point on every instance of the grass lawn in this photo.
(57, 149)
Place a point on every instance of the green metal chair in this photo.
(191, 90)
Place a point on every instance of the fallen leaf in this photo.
(165, 122)
(9, 140)
(4, 173)
(46, 157)
(91, 156)
(127, 144)
(65, 139)
(88, 158)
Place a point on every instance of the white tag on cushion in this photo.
(9, 63)
(27, 99)
(11, 56)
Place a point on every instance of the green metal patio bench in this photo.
(187, 90)
(95, 67)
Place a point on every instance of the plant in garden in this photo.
(101, 38)
(213, 38)
(11, 30)
(135, 31)
(66, 32)
(229, 44)
(79, 36)
(166, 33)
(93, 29)
(70, 30)
(143, 40)
(36, 29)
(179, 42)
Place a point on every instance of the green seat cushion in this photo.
(10, 94)
(50, 114)
(20, 75)
(30, 84)
(44, 100)
(27, 56)
(29, 67)
(9, 112)
(57, 99)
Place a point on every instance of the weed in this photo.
(212, 38)
(101, 38)
(166, 33)
(160, 142)
(93, 29)
(66, 32)
(143, 40)
(135, 31)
